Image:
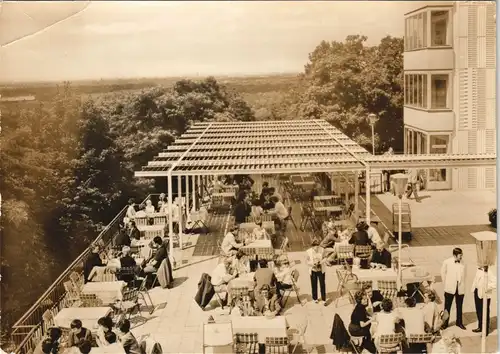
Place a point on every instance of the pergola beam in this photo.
(277, 143)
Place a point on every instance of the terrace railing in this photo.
(27, 330)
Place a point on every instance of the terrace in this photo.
(267, 151)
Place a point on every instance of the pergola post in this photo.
(346, 189)
(186, 182)
(200, 188)
(179, 198)
(332, 183)
(356, 195)
(170, 221)
(193, 188)
(368, 196)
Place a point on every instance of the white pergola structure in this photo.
(210, 149)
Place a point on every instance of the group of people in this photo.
(81, 340)
(266, 294)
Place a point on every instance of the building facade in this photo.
(450, 77)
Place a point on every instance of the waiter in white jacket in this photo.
(478, 288)
(453, 276)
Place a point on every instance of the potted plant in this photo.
(492, 216)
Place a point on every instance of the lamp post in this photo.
(400, 181)
(372, 119)
(486, 256)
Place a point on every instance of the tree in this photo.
(346, 81)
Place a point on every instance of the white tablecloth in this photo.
(264, 327)
(107, 291)
(258, 247)
(408, 276)
(88, 316)
(218, 338)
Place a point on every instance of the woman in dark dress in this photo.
(360, 321)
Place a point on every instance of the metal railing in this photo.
(28, 328)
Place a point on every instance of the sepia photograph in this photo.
(248, 177)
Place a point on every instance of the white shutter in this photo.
(490, 142)
(472, 36)
(472, 178)
(472, 142)
(464, 99)
(481, 98)
(490, 180)
(490, 36)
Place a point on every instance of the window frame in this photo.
(425, 90)
(418, 24)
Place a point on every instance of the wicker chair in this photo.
(388, 289)
(390, 343)
(363, 252)
(246, 343)
(90, 300)
(277, 345)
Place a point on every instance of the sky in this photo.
(106, 40)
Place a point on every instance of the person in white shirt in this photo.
(316, 262)
(281, 213)
(150, 209)
(479, 294)
(385, 321)
(283, 273)
(221, 276)
(260, 233)
(432, 317)
(373, 233)
(131, 209)
(229, 245)
(161, 200)
(414, 317)
(453, 277)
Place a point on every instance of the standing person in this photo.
(453, 276)
(316, 263)
(413, 179)
(478, 290)
(387, 173)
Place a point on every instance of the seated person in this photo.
(126, 260)
(360, 320)
(229, 245)
(161, 254)
(78, 334)
(267, 303)
(268, 203)
(264, 192)
(162, 199)
(134, 233)
(257, 211)
(263, 276)
(141, 213)
(431, 311)
(360, 237)
(131, 209)
(374, 298)
(221, 276)
(280, 210)
(122, 239)
(328, 244)
(260, 233)
(381, 256)
(372, 232)
(240, 264)
(283, 274)
(93, 260)
(85, 347)
(127, 339)
(413, 317)
(51, 343)
(274, 193)
(149, 209)
(385, 321)
(105, 326)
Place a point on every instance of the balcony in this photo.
(432, 58)
(429, 120)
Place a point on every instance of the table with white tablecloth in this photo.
(261, 248)
(107, 291)
(250, 226)
(263, 326)
(408, 275)
(115, 348)
(88, 316)
(218, 338)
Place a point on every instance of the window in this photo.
(416, 31)
(416, 90)
(439, 145)
(439, 28)
(423, 144)
(439, 92)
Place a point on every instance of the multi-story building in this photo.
(449, 64)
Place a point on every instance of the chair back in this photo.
(71, 290)
(388, 288)
(420, 338)
(237, 292)
(246, 343)
(90, 300)
(131, 295)
(266, 217)
(345, 252)
(151, 234)
(48, 320)
(76, 278)
(277, 345)
(389, 343)
(363, 252)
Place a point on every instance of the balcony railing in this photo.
(28, 330)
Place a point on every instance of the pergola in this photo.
(279, 147)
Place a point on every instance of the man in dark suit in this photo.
(374, 298)
(381, 255)
(134, 233)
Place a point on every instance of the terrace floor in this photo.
(177, 322)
